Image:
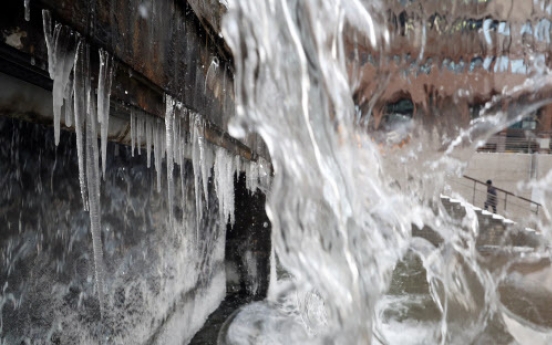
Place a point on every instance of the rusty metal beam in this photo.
(161, 49)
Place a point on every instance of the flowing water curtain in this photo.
(338, 228)
(292, 88)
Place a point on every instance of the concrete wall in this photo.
(509, 172)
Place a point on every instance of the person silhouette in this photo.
(491, 196)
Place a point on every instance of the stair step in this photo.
(495, 230)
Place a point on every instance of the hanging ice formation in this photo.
(224, 184)
(170, 140)
(132, 132)
(140, 130)
(159, 149)
(148, 128)
(195, 123)
(264, 173)
(104, 96)
(203, 157)
(258, 175)
(27, 5)
(80, 113)
(61, 45)
(180, 135)
(86, 116)
(252, 177)
(65, 51)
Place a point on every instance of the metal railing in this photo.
(506, 193)
(509, 205)
(499, 143)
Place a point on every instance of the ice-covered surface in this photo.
(105, 76)
(224, 182)
(146, 271)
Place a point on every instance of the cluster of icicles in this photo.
(181, 134)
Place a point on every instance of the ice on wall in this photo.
(158, 149)
(237, 164)
(149, 266)
(104, 96)
(195, 123)
(203, 155)
(252, 177)
(170, 145)
(224, 184)
(80, 113)
(258, 175)
(148, 128)
(61, 45)
(65, 51)
(132, 132)
(68, 105)
(182, 134)
(264, 172)
(84, 92)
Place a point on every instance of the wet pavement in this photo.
(209, 333)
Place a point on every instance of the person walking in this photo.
(491, 196)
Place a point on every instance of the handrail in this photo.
(504, 191)
(510, 143)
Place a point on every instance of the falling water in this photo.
(347, 202)
(365, 249)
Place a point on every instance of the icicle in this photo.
(202, 158)
(238, 165)
(61, 57)
(169, 147)
(158, 150)
(161, 138)
(68, 105)
(80, 109)
(93, 180)
(268, 177)
(252, 177)
(132, 132)
(149, 134)
(182, 163)
(176, 134)
(47, 24)
(230, 195)
(85, 115)
(224, 184)
(104, 96)
(140, 131)
(264, 173)
(197, 172)
(183, 191)
(246, 171)
(220, 175)
(27, 5)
